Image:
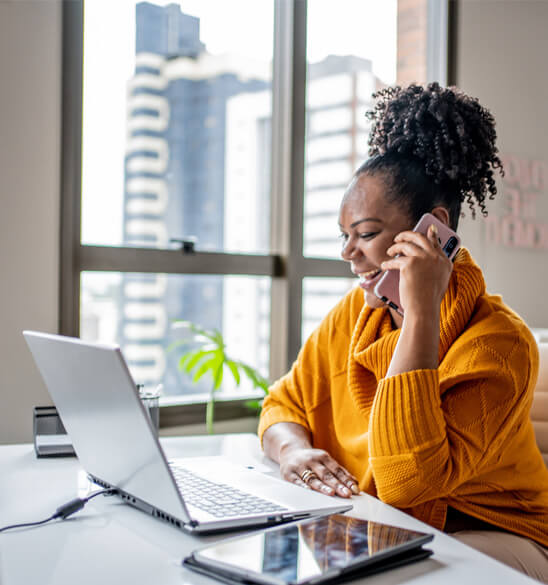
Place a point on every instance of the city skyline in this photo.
(112, 40)
(196, 158)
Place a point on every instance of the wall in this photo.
(412, 40)
(501, 59)
(30, 66)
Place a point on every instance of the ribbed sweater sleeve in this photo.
(285, 402)
(295, 395)
(398, 402)
(422, 448)
(406, 422)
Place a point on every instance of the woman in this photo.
(430, 411)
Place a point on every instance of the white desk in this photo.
(109, 542)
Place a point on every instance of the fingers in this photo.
(404, 248)
(395, 264)
(294, 478)
(326, 482)
(332, 479)
(433, 236)
(315, 469)
(318, 485)
(421, 241)
(415, 244)
(341, 477)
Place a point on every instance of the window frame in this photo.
(285, 265)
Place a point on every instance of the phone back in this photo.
(388, 287)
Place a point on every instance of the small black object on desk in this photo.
(50, 436)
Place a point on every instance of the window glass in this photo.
(176, 124)
(352, 51)
(142, 313)
(320, 295)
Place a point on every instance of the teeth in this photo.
(367, 275)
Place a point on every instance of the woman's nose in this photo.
(348, 250)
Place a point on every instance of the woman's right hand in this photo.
(317, 470)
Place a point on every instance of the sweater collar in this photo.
(374, 339)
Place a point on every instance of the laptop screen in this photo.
(100, 407)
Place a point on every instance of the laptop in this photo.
(118, 447)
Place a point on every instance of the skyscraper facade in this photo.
(198, 163)
(174, 179)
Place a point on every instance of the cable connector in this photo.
(77, 504)
(64, 511)
(69, 508)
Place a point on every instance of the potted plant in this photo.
(207, 355)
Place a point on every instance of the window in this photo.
(145, 312)
(176, 124)
(234, 127)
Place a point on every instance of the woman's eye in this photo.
(366, 236)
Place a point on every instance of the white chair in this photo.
(539, 410)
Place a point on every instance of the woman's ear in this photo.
(442, 214)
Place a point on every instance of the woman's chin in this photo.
(372, 300)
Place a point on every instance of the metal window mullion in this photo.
(437, 41)
(71, 165)
(295, 263)
(324, 268)
(280, 182)
(152, 260)
(452, 30)
(288, 135)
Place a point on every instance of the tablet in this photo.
(318, 550)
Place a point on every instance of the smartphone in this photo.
(388, 287)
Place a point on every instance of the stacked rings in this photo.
(307, 475)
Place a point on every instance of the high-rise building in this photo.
(174, 179)
(197, 164)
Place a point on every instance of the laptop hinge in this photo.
(289, 517)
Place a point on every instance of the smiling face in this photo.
(368, 224)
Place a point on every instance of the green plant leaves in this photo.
(218, 378)
(200, 335)
(255, 377)
(191, 359)
(186, 357)
(233, 367)
(208, 365)
(210, 357)
(254, 405)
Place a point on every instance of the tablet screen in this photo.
(298, 552)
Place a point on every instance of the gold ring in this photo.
(307, 475)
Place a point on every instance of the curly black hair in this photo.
(435, 146)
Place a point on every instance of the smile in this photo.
(370, 278)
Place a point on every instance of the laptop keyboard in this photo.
(218, 499)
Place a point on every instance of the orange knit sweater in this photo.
(423, 440)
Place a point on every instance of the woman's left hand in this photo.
(424, 270)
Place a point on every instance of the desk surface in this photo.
(110, 542)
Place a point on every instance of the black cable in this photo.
(63, 511)
(27, 524)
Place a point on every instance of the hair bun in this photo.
(450, 132)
